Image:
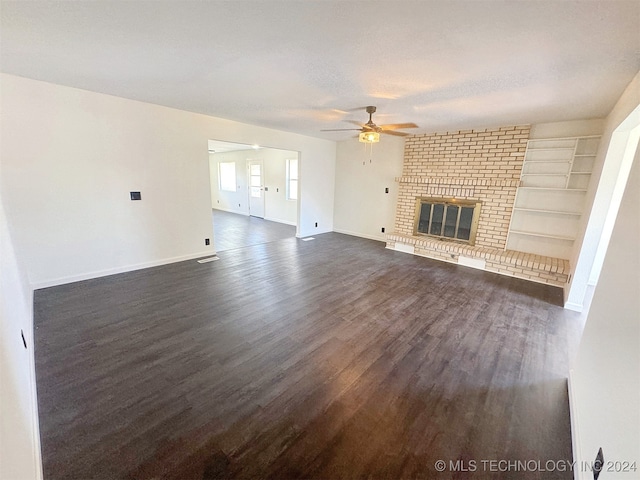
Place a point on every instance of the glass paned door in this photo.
(256, 188)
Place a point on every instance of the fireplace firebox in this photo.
(447, 219)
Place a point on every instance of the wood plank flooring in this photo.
(328, 359)
(232, 230)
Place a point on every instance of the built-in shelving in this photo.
(549, 200)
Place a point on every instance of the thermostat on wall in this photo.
(136, 196)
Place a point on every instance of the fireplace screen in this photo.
(447, 218)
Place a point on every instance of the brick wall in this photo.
(528, 266)
(480, 164)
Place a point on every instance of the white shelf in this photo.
(550, 148)
(572, 190)
(547, 174)
(585, 155)
(580, 173)
(543, 235)
(562, 138)
(547, 160)
(551, 212)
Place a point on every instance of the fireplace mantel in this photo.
(482, 182)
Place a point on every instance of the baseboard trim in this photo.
(54, 282)
(575, 307)
(239, 212)
(379, 238)
(575, 438)
(35, 425)
(277, 220)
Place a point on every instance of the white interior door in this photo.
(256, 188)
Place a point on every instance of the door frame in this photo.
(259, 161)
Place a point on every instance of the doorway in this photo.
(256, 188)
(254, 194)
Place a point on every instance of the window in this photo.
(292, 179)
(447, 218)
(227, 176)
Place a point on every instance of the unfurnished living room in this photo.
(323, 239)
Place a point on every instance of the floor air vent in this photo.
(209, 259)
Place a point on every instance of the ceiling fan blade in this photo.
(339, 129)
(396, 126)
(370, 126)
(393, 132)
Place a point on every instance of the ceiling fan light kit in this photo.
(369, 137)
(370, 132)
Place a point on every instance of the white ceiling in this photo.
(303, 66)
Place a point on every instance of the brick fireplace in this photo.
(482, 165)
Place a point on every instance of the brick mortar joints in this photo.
(453, 181)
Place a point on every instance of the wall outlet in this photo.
(316, 224)
(207, 241)
(386, 190)
(382, 229)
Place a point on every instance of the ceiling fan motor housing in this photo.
(370, 125)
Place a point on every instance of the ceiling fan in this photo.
(370, 132)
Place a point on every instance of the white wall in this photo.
(317, 188)
(362, 207)
(605, 380)
(605, 176)
(71, 157)
(627, 143)
(19, 437)
(277, 207)
(238, 201)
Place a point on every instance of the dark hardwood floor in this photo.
(232, 230)
(328, 359)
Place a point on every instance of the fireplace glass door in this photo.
(447, 218)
